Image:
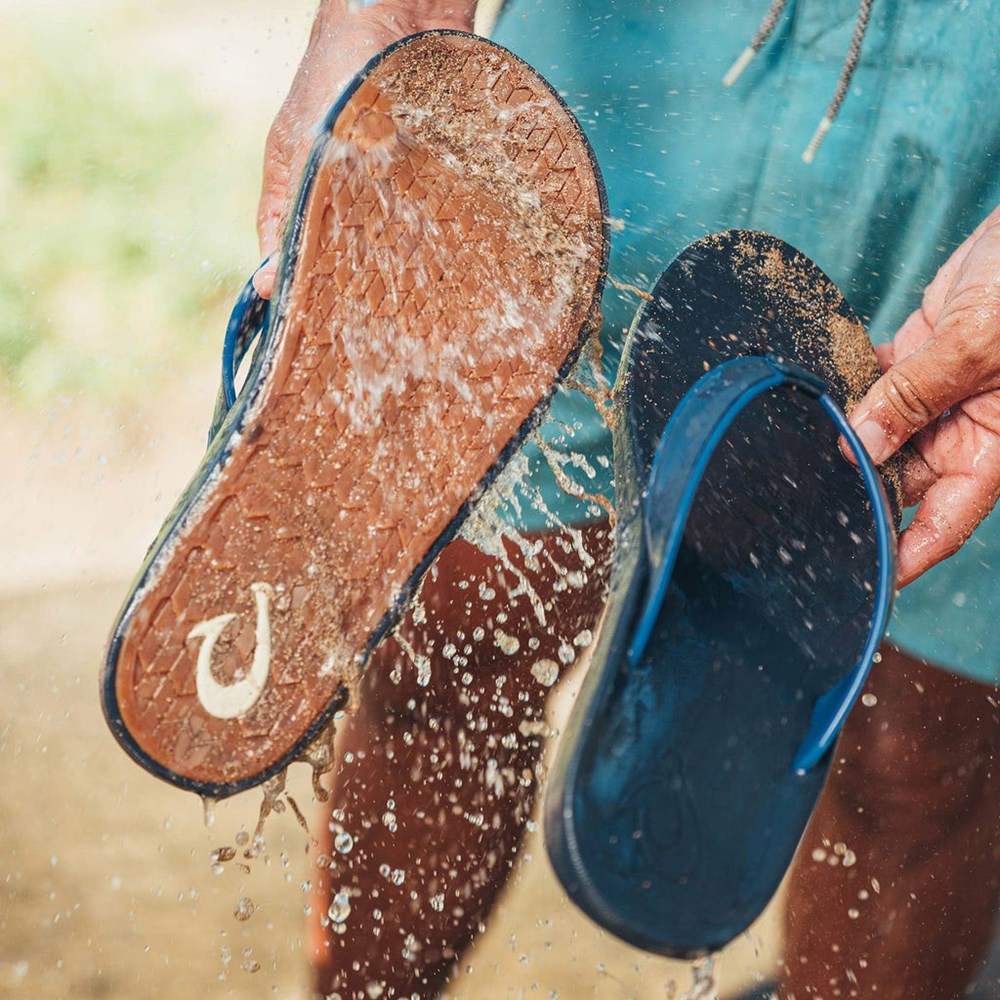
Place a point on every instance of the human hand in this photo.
(941, 388)
(342, 41)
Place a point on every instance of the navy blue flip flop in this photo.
(753, 579)
(440, 274)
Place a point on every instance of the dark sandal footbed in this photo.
(752, 581)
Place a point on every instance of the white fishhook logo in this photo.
(230, 701)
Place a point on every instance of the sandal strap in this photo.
(696, 428)
(246, 323)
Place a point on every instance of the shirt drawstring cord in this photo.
(756, 43)
(846, 71)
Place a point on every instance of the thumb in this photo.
(912, 393)
(272, 205)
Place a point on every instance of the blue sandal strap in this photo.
(246, 323)
(696, 428)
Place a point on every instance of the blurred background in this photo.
(131, 137)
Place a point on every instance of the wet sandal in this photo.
(440, 274)
(753, 578)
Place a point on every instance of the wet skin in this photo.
(454, 761)
(914, 793)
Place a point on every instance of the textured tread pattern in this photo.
(449, 259)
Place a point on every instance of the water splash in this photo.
(702, 981)
(340, 907)
(419, 660)
(208, 811)
(487, 528)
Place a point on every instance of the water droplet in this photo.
(398, 876)
(208, 807)
(508, 644)
(244, 909)
(534, 727)
(340, 907)
(545, 672)
(853, 913)
(222, 854)
(869, 700)
(389, 820)
(437, 902)
(343, 842)
(423, 665)
(411, 948)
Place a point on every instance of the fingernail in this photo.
(263, 282)
(875, 440)
(845, 449)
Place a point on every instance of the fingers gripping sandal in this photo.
(752, 585)
(441, 270)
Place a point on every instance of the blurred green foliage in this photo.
(116, 258)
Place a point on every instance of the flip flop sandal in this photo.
(441, 271)
(752, 583)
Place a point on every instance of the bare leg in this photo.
(914, 796)
(437, 772)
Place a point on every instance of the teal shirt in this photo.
(909, 169)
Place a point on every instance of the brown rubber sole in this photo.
(446, 265)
